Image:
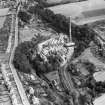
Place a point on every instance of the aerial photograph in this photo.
(52, 52)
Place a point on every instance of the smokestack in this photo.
(70, 43)
(70, 36)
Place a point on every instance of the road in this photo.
(100, 100)
(10, 78)
(14, 72)
(19, 85)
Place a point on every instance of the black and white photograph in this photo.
(52, 52)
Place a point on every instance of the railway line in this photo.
(68, 85)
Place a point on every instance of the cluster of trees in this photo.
(73, 69)
(56, 21)
(96, 88)
(98, 51)
(24, 16)
(82, 36)
(90, 67)
(22, 57)
(25, 62)
(41, 66)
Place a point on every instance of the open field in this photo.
(87, 55)
(4, 33)
(76, 7)
(3, 12)
(90, 16)
(100, 76)
(53, 1)
(82, 12)
(5, 26)
(25, 34)
(62, 1)
(32, 30)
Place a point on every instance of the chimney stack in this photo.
(70, 36)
